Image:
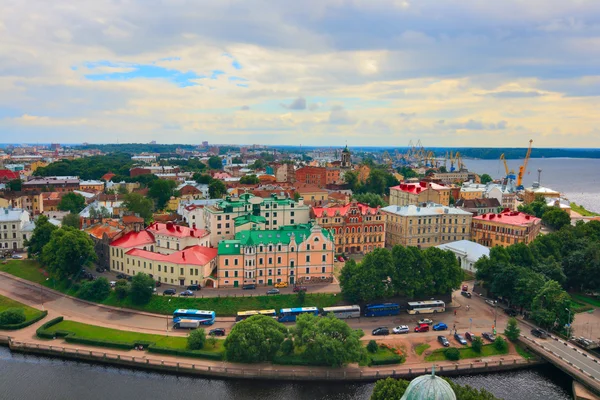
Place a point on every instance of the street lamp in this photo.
(569, 324)
(168, 321)
(495, 313)
(42, 295)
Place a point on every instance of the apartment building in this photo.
(61, 184)
(15, 228)
(479, 206)
(506, 228)
(454, 177)
(91, 186)
(469, 191)
(318, 176)
(505, 194)
(430, 225)
(29, 201)
(536, 190)
(418, 193)
(296, 254)
(357, 227)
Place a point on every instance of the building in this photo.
(357, 227)
(418, 193)
(15, 228)
(504, 229)
(277, 211)
(562, 203)
(192, 211)
(454, 177)
(469, 191)
(318, 176)
(346, 158)
(61, 184)
(153, 169)
(285, 173)
(31, 202)
(312, 195)
(170, 253)
(536, 190)
(479, 206)
(427, 226)
(296, 254)
(102, 234)
(91, 186)
(6, 175)
(426, 387)
(467, 252)
(505, 194)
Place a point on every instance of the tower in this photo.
(346, 161)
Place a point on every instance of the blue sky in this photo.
(447, 72)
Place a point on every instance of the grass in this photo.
(26, 269)
(579, 306)
(30, 312)
(523, 352)
(582, 211)
(585, 299)
(420, 348)
(385, 356)
(487, 350)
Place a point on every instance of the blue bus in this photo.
(382, 310)
(204, 317)
(290, 314)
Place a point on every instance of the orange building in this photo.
(318, 176)
(504, 229)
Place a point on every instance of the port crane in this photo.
(523, 167)
(509, 174)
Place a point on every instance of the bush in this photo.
(141, 290)
(25, 323)
(452, 353)
(500, 344)
(12, 316)
(71, 338)
(477, 344)
(293, 359)
(186, 353)
(512, 331)
(372, 346)
(41, 331)
(96, 290)
(287, 347)
(196, 339)
(388, 360)
(121, 289)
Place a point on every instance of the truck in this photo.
(187, 324)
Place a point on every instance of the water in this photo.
(30, 377)
(578, 179)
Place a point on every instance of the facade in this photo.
(277, 211)
(504, 229)
(31, 202)
(91, 186)
(418, 193)
(52, 183)
(479, 206)
(357, 227)
(466, 252)
(312, 195)
(318, 176)
(296, 254)
(503, 193)
(470, 191)
(453, 177)
(15, 228)
(537, 190)
(285, 173)
(426, 226)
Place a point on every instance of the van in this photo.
(194, 287)
(249, 286)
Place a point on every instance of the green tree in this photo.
(40, 237)
(12, 316)
(411, 272)
(202, 178)
(351, 179)
(287, 347)
(72, 202)
(15, 185)
(407, 172)
(196, 339)
(477, 344)
(368, 280)
(215, 162)
(122, 189)
(512, 331)
(161, 191)
(140, 205)
(301, 296)
(99, 213)
(485, 178)
(297, 196)
(389, 389)
(372, 346)
(237, 160)
(122, 289)
(249, 180)
(500, 344)
(443, 169)
(256, 339)
(556, 218)
(67, 252)
(216, 189)
(445, 270)
(142, 287)
(452, 353)
(258, 164)
(328, 340)
(96, 290)
(537, 208)
(430, 171)
(550, 305)
(212, 341)
(371, 199)
(71, 220)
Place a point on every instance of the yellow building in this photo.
(418, 193)
(537, 190)
(471, 191)
(91, 186)
(504, 229)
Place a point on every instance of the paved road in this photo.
(574, 355)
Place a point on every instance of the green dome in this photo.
(429, 387)
(346, 150)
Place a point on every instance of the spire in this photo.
(433, 371)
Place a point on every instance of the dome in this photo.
(346, 150)
(429, 387)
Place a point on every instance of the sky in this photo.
(314, 72)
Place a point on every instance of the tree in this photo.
(96, 290)
(351, 179)
(452, 353)
(328, 340)
(15, 185)
(556, 218)
(512, 331)
(122, 189)
(237, 160)
(485, 178)
(443, 169)
(67, 252)
(367, 281)
(407, 172)
(142, 287)
(202, 178)
(140, 205)
(256, 339)
(249, 180)
(500, 344)
(477, 344)
(100, 213)
(72, 202)
(297, 196)
(372, 347)
(212, 341)
(71, 220)
(372, 199)
(40, 237)
(389, 388)
(430, 171)
(550, 305)
(122, 289)
(411, 272)
(301, 296)
(537, 208)
(287, 347)
(196, 339)
(161, 191)
(445, 270)
(258, 164)
(216, 189)
(12, 316)
(215, 162)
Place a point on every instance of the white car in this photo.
(113, 284)
(425, 321)
(491, 303)
(401, 329)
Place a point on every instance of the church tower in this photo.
(346, 161)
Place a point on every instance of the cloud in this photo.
(244, 108)
(476, 125)
(298, 104)
(315, 106)
(407, 116)
(340, 116)
(514, 94)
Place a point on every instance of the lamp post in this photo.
(495, 313)
(42, 295)
(569, 324)
(168, 321)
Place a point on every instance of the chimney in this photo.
(183, 255)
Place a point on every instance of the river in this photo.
(577, 179)
(31, 377)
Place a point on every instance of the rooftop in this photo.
(509, 217)
(249, 218)
(170, 229)
(418, 187)
(473, 251)
(11, 214)
(540, 190)
(343, 210)
(111, 229)
(193, 255)
(478, 203)
(133, 239)
(429, 209)
(6, 174)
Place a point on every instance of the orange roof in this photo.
(131, 219)
(99, 230)
(343, 210)
(509, 217)
(309, 189)
(193, 255)
(107, 176)
(133, 239)
(170, 229)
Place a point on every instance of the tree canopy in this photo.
(72, 202)
(216, 189)
(485, 178)
(215, 162)
(140, 205)
(202, 178)
(142, 287)
(249, 180)
(40, 237)
(256, 339)
(161, 191)
(67, 252)
(556, 218)
(15, 185)
(372, 199)
(71, 220)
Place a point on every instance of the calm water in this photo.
(29, 377)
(576, 178)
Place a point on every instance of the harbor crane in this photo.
(509, 174)
(523, 167)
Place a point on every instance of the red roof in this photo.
(8, 175)
(509, 218)
(107, 176)
(133, 239)
(170, 229)
(193, 255)
(417, 187)
(130, 219)
(343, 210)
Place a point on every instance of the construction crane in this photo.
(523, 167)
(509, 174)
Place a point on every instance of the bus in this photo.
(343, 312)
(242, 315)
(426, 307)
(290, 314)
(382, 310)
(204, 317)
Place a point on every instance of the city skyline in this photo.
(318, 73)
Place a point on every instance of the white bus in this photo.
(343, 312)
(426, 307)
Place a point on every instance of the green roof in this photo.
(229, 247)
(243, 201)
(247, 218)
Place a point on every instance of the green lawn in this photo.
(579, 306)
(26, 269)
(586, 299)
(420, 348)
(581, 210)
(488, 350)
(385, 356)
(523, 352)
(30, 312)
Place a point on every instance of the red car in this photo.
(341, 259)
(422, 328)
(300, 289)
(465, 288)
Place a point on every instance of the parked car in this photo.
(273, 291)
(129, 278)
(444, 342)
(121, 276)
(281, 285)
(194, 287)
(249, 286)
(470, 336)
(381, 331)
(100, 269)
(422, 328)
(300, 289)
(425, 321)
(510, 312)
(401, 329)
(186, 293)
(217, 332)
(488, 336)
(440, 326)
(169, 292)
(491, 303)
(17, 257)
(341, 259)
(540, 333)
(465, 288)
(113, 283)
(460, 339)
(466, 294)
(158, 283)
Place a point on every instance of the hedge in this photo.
(24, 324)
(294, 359)
(186, 353)
(41, 331)
(395, 359)
(71, 338)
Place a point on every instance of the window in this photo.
(324, 258)
(260, 261)
(181, 271)
(324, 246)
(278, 247)
(307, 259)
(218, 226)
(159, 268)
(278, 260)
(235, 261)
(226, 262)
(323, 269)
(270, 260)
(260, 272)
(235, 274)
(278, 271)
(226, 274)
(270, 272)
(308, 270)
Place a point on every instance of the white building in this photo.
(15, 228)
(504, 193)
(466, 252)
